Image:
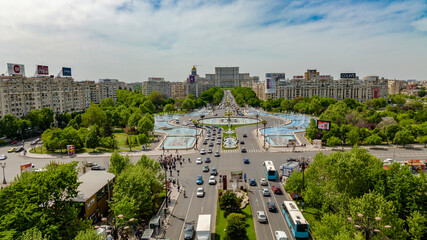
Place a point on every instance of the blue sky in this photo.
(135, 39)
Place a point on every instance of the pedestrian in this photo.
(178, 188)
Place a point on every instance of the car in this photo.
(199, 161)
(218, 142)
(262, 218)
(263, 182)
(208, 160)
(3, 157)
(280, 235)
(246, 160)
(244, 135)
(206, 168)
(276, 189)
(210, 150)
(203, 151)
(35, 141)
(205, 142)
(97, 168)
(271, 206)
(209, 136)
(212, 180)
(11, 150)
(19, 149)
(214, 171)
(214, 133)
(199, 180)
(242, 142)
(217, 154)
(212, 138)
(218, 137)
(189, 232)
(211, 144)
(252, 182)
(200, 192)
(244, 150)
(292, 160)
(14, 142)
(266, 192)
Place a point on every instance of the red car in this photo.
(276, 189)
(14, 142)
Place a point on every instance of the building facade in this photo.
(19, 95)
(178, 90)
(325, 86)
(396, 86)
(158, 84)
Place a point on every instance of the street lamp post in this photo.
(3, 165)
(367, 225)
(265, 124)
(196, 135)
(166, 183)
(303, 163)
(257, 116)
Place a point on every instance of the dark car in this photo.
(211, 144)
(276, 189)
(292, 160)
(98, 168)
(19, 149)
(244, 150)
(205, 142)
(246, 160)
(244, 135)
(208, 160)
(271, 206)
(242, 142)
(189, 232)
(252, 182)
(214, 171)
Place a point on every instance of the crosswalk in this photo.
(238, 150)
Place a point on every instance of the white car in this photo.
(200, 192)
(3, 157)
(263, 182)
(280, 235)
(266, 192)
(212, 180)
(262, 218)
(199, 161)
(203, 151)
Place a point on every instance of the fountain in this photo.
(230, 142)
(229, 131)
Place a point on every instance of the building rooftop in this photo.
(92, 182)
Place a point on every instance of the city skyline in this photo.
(134, 40)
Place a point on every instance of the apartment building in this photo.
(158, 84)
(178, 90)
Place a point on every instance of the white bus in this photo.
(295, 219)
(270, 170)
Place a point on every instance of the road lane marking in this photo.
(186, 215)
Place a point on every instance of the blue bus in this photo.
(296, 221)
(270, 170)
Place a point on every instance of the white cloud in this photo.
(97, 40)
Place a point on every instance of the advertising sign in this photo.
(323, 125)
(298, 76)
(155, 79)
(66, 71)
(376, 92)
(26, 167)
(15, 69)
(42, 70)
(192, 79)
(275, 75)
(270, 85)
(324, 77)
(348, 75)
(71, 150)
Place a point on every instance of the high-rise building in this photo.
(311, 74)
(158, 84)
(178, 90)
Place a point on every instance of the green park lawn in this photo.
(221, 223)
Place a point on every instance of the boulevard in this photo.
(190, 207)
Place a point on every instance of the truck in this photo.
(203, 228)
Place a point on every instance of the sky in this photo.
(132, 40)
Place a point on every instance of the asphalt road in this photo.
(188, 209)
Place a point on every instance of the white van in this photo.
(280, 235)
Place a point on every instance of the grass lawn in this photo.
(221, 222)
(38, 150)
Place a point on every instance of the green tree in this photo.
(230, 203)
(148, 107)
(46, 118)
(107, 142)
(236, 227)
(353, 136)
(156, 98)
(423, 140)
(422, 92)
(143, 138)
(94, 115)
(44, 201)
(403, 137)
(188, 104)
(118, 163)
(417, 225)
(92, 139)
(374, 140)
(73, 123)
(33, 234)
(140, 185)
(333, 141)
(134, 119)
(391, 130)
(145, 125)
(88, 234)
(334, 227)
(168, 108)
(10, 126)
(107, 102)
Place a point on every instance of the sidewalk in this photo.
(174, 196)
